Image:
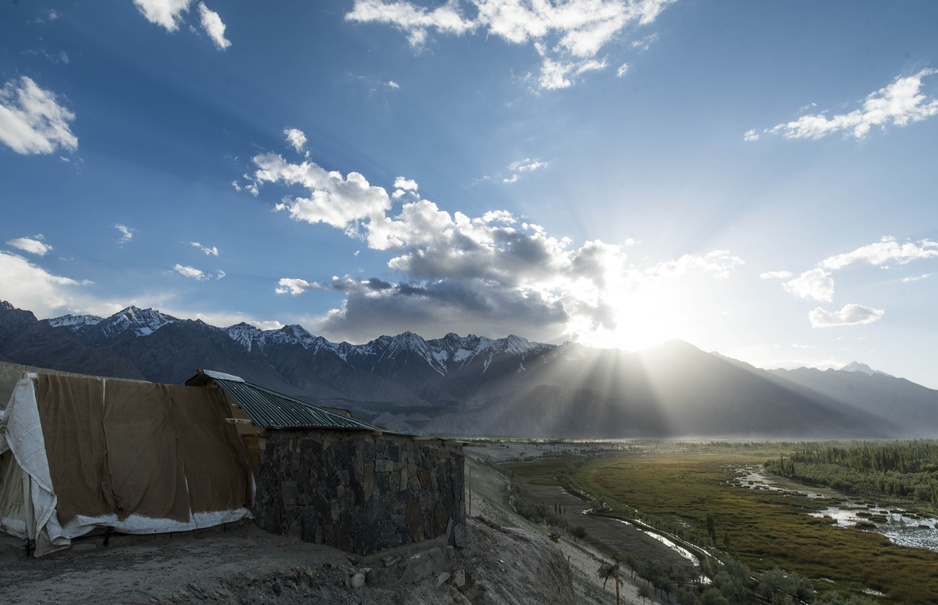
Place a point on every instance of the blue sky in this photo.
(756, 178)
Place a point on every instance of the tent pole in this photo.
(28, 510)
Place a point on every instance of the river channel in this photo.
(900, 526)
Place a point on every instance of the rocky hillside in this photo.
(480, 386)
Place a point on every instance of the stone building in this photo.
(331, 479)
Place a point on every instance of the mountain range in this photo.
(473, 385)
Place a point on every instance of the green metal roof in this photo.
(273, 410)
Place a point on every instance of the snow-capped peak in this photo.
(856, 366)
(75, 322)
(246, 335)
(294, 334)
(142, 322)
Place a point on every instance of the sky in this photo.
(756, 178)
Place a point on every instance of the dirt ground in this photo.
(508, 561)
(246, 565)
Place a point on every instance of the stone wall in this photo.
(361, 492)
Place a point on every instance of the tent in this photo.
(79, 453)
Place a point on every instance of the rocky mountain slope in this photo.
(472, 385)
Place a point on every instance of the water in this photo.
(900, 526)
(673, 546)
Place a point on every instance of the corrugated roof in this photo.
(269, 409)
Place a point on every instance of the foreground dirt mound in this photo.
(245, 565)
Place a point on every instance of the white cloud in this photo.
(405, 184)
(750, 136)
(165, 13)
(568, 35)
(849, 315)
(393, 84)
(32, 121)
(190, 272)
(623, 69)
(296, 138)
(127, 233)
(916, 278)
(33, 245)
(717, 263)
(213, 251)
(527, 165)
(213, 26)
(775, 275)
(294, 286)
(28, 286)
(814, 284)
(522, 166)
(899, 104)
(884, 251)
(560, 74)
(334, 200)
(645, 43)
(455, 269)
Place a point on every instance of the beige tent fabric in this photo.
(71, 410)
(139, 448)
(213, 456)
(147, 475)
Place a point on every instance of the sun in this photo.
(641, 317)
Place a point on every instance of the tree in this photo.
(610, 571)
(711, 528)
(644, 591)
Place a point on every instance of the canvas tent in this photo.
(78, 453)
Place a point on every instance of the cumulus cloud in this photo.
(294, 286)
(168, 14)
(899, 104)
(33, 245)
(623, 69)
(452, 269)
(127, 233)
(165, 13)
(29, 286)
(849, 315)
(213, 26)
(209, 251)
(296, 138)
(334, 200)
(814, 284)
(568, 35)
(32, 121)
(882, 252)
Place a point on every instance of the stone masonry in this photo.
(361, 492)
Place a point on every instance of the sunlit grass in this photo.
(765, 529)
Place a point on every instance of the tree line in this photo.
(902, 469)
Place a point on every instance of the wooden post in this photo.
(470, 490)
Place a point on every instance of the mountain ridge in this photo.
(479, 385)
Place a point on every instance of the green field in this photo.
(763, 529)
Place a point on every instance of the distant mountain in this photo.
(472, 385)
(856, 366)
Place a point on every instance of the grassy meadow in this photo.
(693, 495)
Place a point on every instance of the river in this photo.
(900, 526)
